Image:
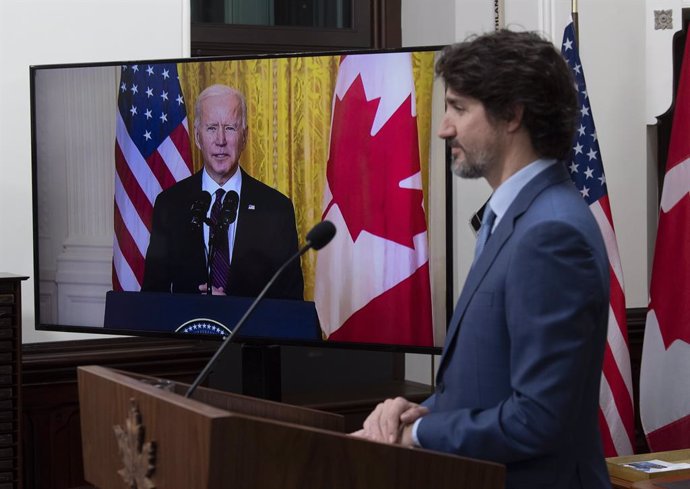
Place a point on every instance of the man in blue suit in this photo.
(518, 382)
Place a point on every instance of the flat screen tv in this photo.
(345, 137)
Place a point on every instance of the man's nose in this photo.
(220, 138)
(445, 129)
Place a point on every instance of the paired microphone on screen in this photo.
(228, 212)
(200, 209)
(318, 237)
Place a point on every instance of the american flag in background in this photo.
(152, 152)
(587, 171)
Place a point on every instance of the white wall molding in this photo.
(84, 275)
(659, 56)
(547, 19)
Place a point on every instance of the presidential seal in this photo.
(203, 326)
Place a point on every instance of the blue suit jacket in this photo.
(518, 382)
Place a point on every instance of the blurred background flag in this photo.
(372, 281)
(664, 379)
(616, 411)
(152, 152)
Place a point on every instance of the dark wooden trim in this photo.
(11, 428)
(636, 318)
(219, 39)
(386, 24)
(223, 39)
(57, 361)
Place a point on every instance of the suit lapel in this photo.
(244, 219)
(552, 175)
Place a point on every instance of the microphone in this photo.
(199, 209)
(228, 213)
(317, 238)
(321, 234)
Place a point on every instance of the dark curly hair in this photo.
(505, 69)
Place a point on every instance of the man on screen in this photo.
(518, 381)
(256, 243)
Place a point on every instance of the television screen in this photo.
(127, 161)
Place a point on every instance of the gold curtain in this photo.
(289, 103)
(423, 72)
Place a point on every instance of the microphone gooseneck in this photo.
(317, 238)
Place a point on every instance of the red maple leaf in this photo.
(364, 172)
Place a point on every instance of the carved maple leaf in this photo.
(137, 456)
(365, 171)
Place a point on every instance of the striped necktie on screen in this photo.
(221, 256)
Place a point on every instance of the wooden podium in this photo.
(223, 440)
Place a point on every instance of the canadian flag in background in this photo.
(665, 368)
(372, 281)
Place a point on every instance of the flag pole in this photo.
(499, 15)
(576, 27)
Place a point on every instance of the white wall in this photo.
(66, 31)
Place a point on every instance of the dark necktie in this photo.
(484, 231)
(221, 257)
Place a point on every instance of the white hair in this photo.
(215, 90)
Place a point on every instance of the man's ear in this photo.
(514, 123)
(245, 134)
(196, 138)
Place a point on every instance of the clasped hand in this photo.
(391, 422)
(203, 288)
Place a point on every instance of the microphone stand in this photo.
(228, 339)
(221, 226)
(211, 253)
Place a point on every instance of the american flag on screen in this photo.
(152, 152)
(616, 417)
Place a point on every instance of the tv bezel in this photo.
(397, 348)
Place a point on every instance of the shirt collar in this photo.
(210, 185)
(506, 193)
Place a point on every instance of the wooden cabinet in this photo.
(10, 381)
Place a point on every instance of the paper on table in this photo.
(656, 466)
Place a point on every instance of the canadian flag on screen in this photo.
(665, 369)
(372, 280)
